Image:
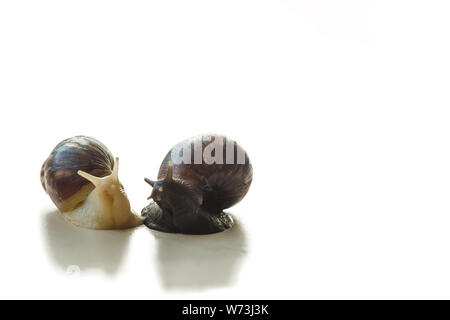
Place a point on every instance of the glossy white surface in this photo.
(343, 107)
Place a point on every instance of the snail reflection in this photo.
(88, 250)
(188, 262)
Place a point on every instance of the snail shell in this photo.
(81, 177)
(197, 180)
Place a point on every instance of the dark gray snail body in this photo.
(197, 180)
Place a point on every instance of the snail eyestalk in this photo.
(93, 179)
(169, 171)
(149, 181)
(115, 173)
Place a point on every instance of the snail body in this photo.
(81, 178)
(197, 180)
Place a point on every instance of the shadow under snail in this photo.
(81, 178)
(197, 180)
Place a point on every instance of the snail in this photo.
(81, 178)
(197, 180)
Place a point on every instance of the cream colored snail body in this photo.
(81, 178)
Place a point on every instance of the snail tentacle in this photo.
(96, 181)
(149, 181)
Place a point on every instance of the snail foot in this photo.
(203, 223)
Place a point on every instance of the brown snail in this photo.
(197, 180)
(81, 177)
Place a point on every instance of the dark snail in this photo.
(197, 180)
(81, 178)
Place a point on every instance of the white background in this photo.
(343, 107)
